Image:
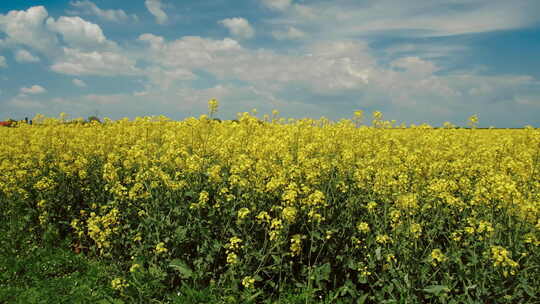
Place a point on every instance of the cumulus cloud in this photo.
(167, 67)
(3, 63)
(196, 51)
(33, 90)
(27, 28)
(155, 8)
(90, 8)
(100, 63)
(79, 33)
(156, 42)
(79, 83)
(279, 5)
(165, 77)
(330, 66)
(22, 56)
(82, 50)
(290, 34)
(36, 31)
(238, 27)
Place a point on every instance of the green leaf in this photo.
(436, 289)
(362, 299)
(111, 301)
(378, 253)
(182, 268)
(253, 297)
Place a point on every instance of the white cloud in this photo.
(22, 101)
(415, 65)
(79, 33)
(331, 66)
(279, 5)
(290, 34)
(156, 42)
(140, 93)
(165, 77)
(196, 51)
(331, 78)
(27, 28)
(238, 27)
(33, 90)
(528, 100)
(3, 63)
(38, 32)
(426, 50)
(112, 15)
(415, 18)
(168, 68)
(79, 83)
(104, 99)
(25, 56)
(155, 8)
(77, 62)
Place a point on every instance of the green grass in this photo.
(52, 275)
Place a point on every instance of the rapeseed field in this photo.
(347, 212)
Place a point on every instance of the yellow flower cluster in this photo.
(501, 257)
(289, 214)
(248, 282)
(102, 228)
(232, 248)
(160, 248)
(134, 267)
(243, 213)
(363, 227)
(263, 217)
(119, 284)
(296, 244)
(437, 257)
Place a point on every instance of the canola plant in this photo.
(420, 214)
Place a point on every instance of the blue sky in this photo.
(416, 61)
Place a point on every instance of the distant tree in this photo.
(93, 118)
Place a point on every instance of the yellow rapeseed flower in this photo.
(248, 282)
(160, 248)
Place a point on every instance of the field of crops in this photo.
(260, 207)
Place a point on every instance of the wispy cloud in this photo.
(155, 7)
(415, 18)
(279, 5)
(33, 90)
(79, 83)
(86, 7)
(291, 33)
